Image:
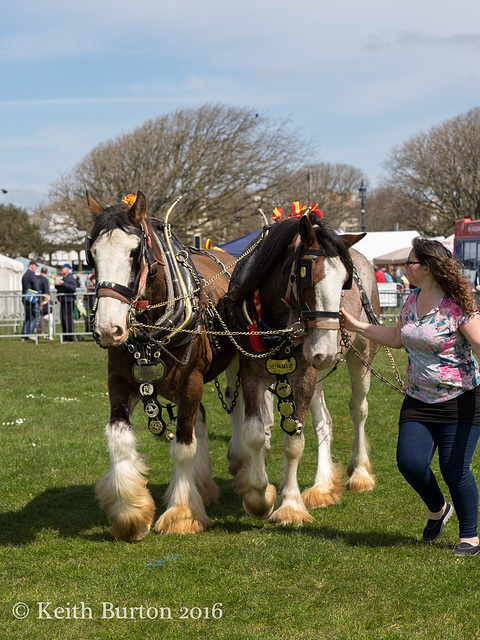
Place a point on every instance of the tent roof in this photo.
(400, 255)
(384, 241)
(11, 264)
(394, 257)
(236, 247)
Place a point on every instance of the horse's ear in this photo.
(95, 208)
(349, 239)
(139, 207)
(307, 233)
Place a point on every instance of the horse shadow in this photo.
(74, 512)
(70, 511)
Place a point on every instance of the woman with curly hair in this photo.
(439, 326)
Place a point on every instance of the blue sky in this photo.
(355, 78)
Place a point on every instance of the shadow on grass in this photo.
(74, 512)
(229, 516)
(70, 511)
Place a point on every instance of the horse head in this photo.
(117, 249)
(321, 269)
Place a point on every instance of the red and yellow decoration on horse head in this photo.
(130, 199)
(298, 209)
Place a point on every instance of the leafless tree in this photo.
(437, 173)
(388, 210)
(224, 161)
(334, 187)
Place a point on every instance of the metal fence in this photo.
(392, 298)
(47, 316)
(12, 313)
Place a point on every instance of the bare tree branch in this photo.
(224, 161)
(438, 174)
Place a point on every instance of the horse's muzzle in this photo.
(114, 337)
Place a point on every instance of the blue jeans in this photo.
(456, 444)
(32, 317)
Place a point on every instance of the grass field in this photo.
(359, 571)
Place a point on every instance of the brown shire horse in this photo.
(153, 299)
(294, 281)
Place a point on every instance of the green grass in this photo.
(358, 572)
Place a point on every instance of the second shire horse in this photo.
(286, 292)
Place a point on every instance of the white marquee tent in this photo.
(11, 272)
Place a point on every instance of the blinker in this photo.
(305, 270)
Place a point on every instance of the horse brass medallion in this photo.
(280, 366)
(149, 372)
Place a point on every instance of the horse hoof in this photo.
(316, 497)
(290, 514)
(140, 535)
(361, 480)
(260, 505)
(179, 519)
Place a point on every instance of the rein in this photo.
(372, 318)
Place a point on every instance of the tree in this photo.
(387, 210)
(18, 235)
(437, 173)
(334, 187)
(224, 161)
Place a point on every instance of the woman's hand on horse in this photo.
(348, 322)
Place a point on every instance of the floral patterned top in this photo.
(440, 360)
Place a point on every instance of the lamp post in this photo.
(363, 191)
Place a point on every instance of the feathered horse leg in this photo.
(122, 491)
(360, 473)
(329, 482)
(290, 505)
(185, 512)
(251, 480)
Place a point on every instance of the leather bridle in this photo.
(143, 256)
(300, 279)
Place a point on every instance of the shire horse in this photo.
(294, 281)
(156, 345)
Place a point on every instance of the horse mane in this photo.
(113, 217)
(253, 271)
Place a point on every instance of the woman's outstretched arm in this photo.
(388, 336)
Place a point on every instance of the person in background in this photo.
(387, 274)
(46, 309)
(439, 326)
(30, 301)
(380, 276)
(397, 276)
(66, 287)
(90, 285)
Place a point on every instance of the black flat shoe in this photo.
(434, 528)
(466, 549)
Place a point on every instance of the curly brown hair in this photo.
(445, 271)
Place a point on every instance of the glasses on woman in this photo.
(409, 262)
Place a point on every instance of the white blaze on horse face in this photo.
(320, 347)
(112, 252)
